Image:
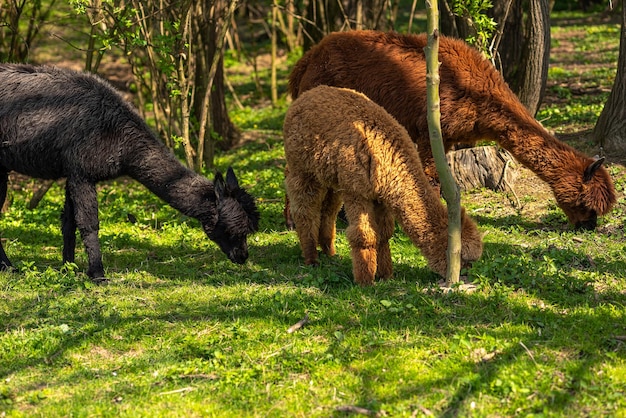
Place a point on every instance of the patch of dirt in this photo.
(530, 198)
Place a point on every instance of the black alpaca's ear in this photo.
(220, 186)
(231, 180)
(591, 169)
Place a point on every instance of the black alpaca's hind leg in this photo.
(85, 201)
(68, 229)
(5, 264)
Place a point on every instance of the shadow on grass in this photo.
(435, 316)
(327, 292)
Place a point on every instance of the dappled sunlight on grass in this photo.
(180, 330)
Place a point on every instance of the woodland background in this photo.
(173, 51)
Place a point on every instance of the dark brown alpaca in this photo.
(341, 146)
(476, 104)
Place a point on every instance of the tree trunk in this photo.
(520, 47)
(274, 53)
(452, 24)
(219, 123)
(509, 38)
(523, 47)
(222, 125)
(536, 55)
(509, 17)
(610, 130)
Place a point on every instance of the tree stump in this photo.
(487, 166)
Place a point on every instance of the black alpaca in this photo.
(57, 123)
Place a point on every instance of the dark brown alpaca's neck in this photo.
(538, 150)
(154, 166)
(510, 124)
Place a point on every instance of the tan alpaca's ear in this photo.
(591, 169)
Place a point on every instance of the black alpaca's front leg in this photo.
(68, 229)
(5, 264)
(85, 201)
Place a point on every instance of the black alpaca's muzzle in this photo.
(238, 255)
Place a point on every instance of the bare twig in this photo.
(351, 409)
(517, 203)
(530, 354)
(40, 193)
(423, 410)
(299, 324)
(181, 390)
(211, 376)
(233, 92)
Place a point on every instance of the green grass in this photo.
(181, 331)
(581, 74)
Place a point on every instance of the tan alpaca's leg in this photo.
(361, 234)
(330, 209)
(385, 226)
(306, 196)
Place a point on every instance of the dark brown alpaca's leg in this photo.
(330, 209)
(361, 234)
(306, 196)
(68, 229)
(85, 200)
(5, 264)
(385, 226)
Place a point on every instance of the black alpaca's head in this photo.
(237, 217)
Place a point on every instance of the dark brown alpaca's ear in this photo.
(231, 180)
(220, 186)
(591, 169)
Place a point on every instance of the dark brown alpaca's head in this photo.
(237, 217)
(585, 193)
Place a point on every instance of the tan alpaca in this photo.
(342, 147)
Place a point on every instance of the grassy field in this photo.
(181, 331)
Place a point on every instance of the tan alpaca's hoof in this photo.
(364, 281)
(329, 251)
(314, 263)
(384, 271)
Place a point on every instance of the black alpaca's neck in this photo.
(154, 166)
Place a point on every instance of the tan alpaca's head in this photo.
(471, 246)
